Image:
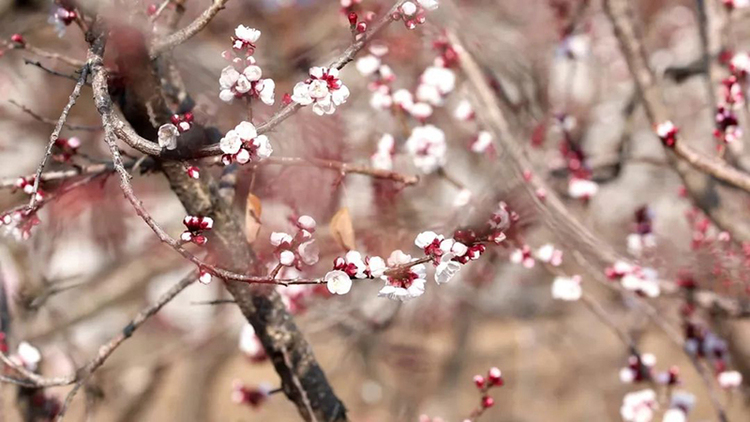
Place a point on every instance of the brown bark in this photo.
(303, 380)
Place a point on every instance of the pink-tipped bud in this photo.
(495, 377)
(479, 381)
(18, 39)
(487, 402)
(362, 27)
(353, 18)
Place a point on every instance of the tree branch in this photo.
(173, 40)
(56, 132)
(620, 14)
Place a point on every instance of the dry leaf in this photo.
(252, 217)
(342, 229)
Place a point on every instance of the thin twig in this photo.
(53, 122)
(58, 175)
(342, 167)
(50, 71)
(173, 40)
(56, 133)
(44, 53)
(106, 350)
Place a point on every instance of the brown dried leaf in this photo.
(253, 210)
(342, 229)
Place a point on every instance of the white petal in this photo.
(301, 94)
(229, 76)
(446, 270)
(425, 238)
(168, 134)
(340, 95)
(226, 95)
(230, 143)
(246, 131)
(253, 73)
(316, 72)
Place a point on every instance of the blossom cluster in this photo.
(323, 89)
(383, 157)
(643, 237)
(353, 265)
(372, 66)
(642, 280)
(19, 223)
(580, 185)
(493, 379)
(196, 226)
(427, 146)
(26, 184)
(404, 276)
(413, 13)
(727, 129)
(300, 248)
(243, 144)
(243, 78)
(66, 148)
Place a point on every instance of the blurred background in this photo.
(556, 67)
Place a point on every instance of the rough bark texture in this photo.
(302, 378)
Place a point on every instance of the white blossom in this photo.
(421, 111)
(286, 258)
(338, 282)
(367, 65)
(639, 406)
(638, 242)
(427, 146)
(404, 288)
(355, 258)
(376, 266)
(582, 188)
(428, 4)
(277, 238)
(426, 238)
(29, 356)
(230, 143)
(482, 143)
(464, 111)
(567, 288)
(243, 144)
(408, 8)
(441, 78)
(383, 157)
(729, 379)
(168, 134)
(250, 343)
(674, 415)
(403, 98)
(643, 281)
(233, 84)
(462, 198)
(247, 34)
(446, 269)
(381, 98)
